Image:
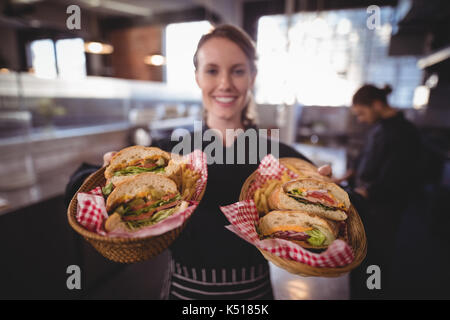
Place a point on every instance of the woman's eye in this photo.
(211, 71)
(239, 72)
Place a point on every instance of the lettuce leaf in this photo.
(296, 197)
(316, 238)
(131, 170)
(106, 190)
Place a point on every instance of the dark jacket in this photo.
(390, 163)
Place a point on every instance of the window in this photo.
(323, 58)
(43, 58)
(71, 58)
(63, 58)
(180, 43)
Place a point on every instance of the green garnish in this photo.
(106, 190)
(132, 170)
(148, 208)
(152, 220)
(296, 197)
(316, 238)
(296, 191)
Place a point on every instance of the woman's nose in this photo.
(225, 81)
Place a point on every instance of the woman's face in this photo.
(224, 77)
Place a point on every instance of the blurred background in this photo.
(71, 90)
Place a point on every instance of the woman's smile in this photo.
(225, 101)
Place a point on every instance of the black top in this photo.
(389, 165)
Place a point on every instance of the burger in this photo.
(135, 160)
(303, 228)
(322, 198)
(143, 201)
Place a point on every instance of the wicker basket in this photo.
(124, 250)
(356, 239)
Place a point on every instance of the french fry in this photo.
(292, 168)
(190, 178)
(264, 205)
(185, 193)
(285, 177)
(257, 197)
(270, 188)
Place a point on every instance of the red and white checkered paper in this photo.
(243, 216)
(91, 211)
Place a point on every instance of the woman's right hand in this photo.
(107, 157)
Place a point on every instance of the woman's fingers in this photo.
(325, 170)
(362, 191)
(107, 157)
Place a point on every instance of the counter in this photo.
(47, 186)
(56, 155)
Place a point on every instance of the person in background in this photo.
(207, 260)
(387, 175)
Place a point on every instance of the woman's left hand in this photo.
(325, 170)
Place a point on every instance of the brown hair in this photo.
(246, 44)
(368, 93)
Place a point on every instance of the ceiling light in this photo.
(96, 47)
(421, 96)
(155, 60)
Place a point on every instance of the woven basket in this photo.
(124, 250)
(356, 239)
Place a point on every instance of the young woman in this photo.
(207, 260)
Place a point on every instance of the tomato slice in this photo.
(166, 206)
(148, 165)
(321, 196)
(149, 203)
(169, 196)
(141, 216)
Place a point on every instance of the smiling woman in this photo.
(207, 260)
(225, 71)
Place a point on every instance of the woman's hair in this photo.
(368, 93)
(246, 44)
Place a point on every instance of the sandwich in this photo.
(139, 159)
(305, 229)
(145, 200)
(322, 198)
(303, 169)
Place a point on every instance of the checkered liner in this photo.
(91, 210)
(243, 216)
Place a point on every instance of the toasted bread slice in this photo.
(115, 223)
(139, 186)
(132, 155)
(279, 199)
(298, 221)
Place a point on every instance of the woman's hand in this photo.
(362, 191)
(349, 174)
(325, 170)
(107, 157)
